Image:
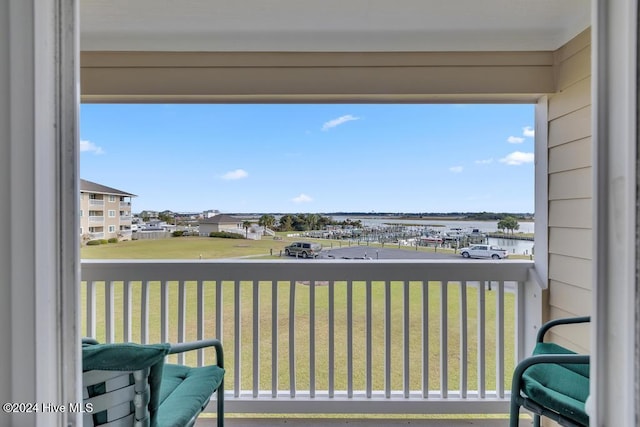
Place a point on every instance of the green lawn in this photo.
(192, 247)
(213, 248)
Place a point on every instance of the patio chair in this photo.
(553, 382)
(129, 384)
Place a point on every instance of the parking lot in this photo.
(366, 252)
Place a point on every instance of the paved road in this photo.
(382, 253)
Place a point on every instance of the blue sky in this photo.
(313, 157)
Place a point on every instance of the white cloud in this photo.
(302, 198)
(515, 140)
(337, 122)
(484, 161)
(528, 132)
(236, 174)
(456, 169)
(518, 158)
(90, 147)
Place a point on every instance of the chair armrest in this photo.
(564, 321)
(89, 341)
(562, 359)
(196, 345)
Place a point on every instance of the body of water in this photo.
(522, 247)
(483, 226)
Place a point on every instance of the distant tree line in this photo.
(303, 222)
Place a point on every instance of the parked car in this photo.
(484, 251)
(303, 249)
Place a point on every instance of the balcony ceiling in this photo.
(330, 25)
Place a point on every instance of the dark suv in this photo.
(303, 249)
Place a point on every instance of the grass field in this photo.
(192, 247)
(214, 248)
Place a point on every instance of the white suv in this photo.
(484, 251)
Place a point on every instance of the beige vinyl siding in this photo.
(315, 76)
(570, 156)
(570, 191)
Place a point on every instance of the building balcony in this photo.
(96, 218)
(96, 202)
(393, 337)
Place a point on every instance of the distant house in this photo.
(221, 222)
(105, 212)
(149, 215)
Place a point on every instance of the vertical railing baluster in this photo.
(312, 338)
(368, 338)
(520, 339)
(91, 309)
(237, 334)
(126, 311)
(387, 339)
(144, 313)
(349, 339)
(500, 340)
(200, 319)
(274, 338)
(292, 339)
(182, 308)
(444, 339)
(425, 339)
(464, 347)
(406, 340)
(482, 382)
(219, 314)
(164, 311)
(109, 311)
(331, 344)
(256, 338)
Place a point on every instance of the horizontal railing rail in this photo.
(338, 336)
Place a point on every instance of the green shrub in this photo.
(93, 243)
(225, 235)
(103, 241)
(177, 233)
(113, 240)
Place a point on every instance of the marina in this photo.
(446, 233)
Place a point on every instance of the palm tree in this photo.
(508, 223)
(246, 225)
(267, 221)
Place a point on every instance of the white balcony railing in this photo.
(96, 218)
(96, 202)
(331, 336)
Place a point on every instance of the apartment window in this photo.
(112, 214)
(80, 212)
(112, 229)
(93, 196)
(112, 198)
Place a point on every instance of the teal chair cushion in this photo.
(563, 388)
(185, 391)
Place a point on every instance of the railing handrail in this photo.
(300, 269)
